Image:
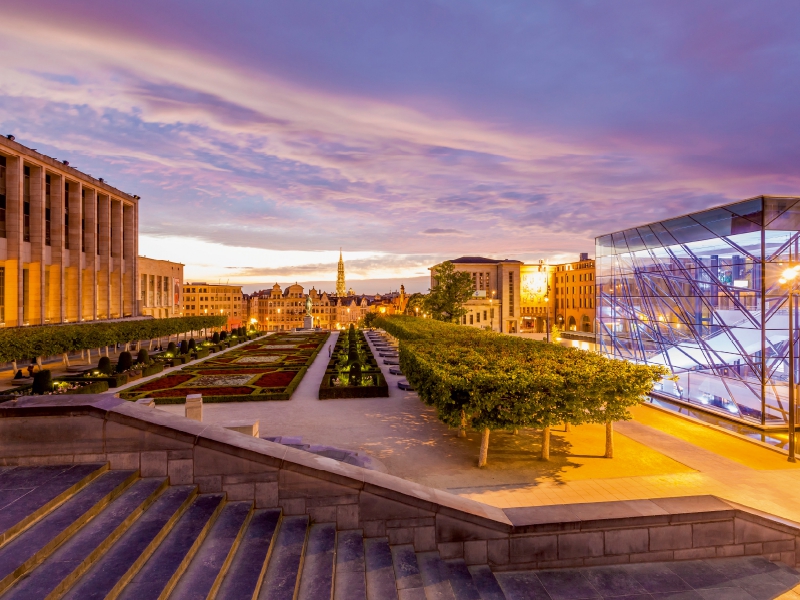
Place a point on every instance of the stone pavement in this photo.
(654, 459)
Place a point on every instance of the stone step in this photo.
(406, 570)
(159, 575)
(204, 575)
(28, 493)
(41, 539)
(285, 564)
(122, 561)
(486, 583)
(435, 576)
(75, 556)
(246, 573)
(461, 580)
(316, 581)
(350, 583)
(381, 584)
(522, 585)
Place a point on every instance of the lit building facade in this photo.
(574, 295)
(68, 242)
(701, 294)
(160, 288)
(536, 305)
(284, 309)
(495, 303)
(202, 299)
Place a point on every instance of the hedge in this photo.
(491, 381)
(19, 343)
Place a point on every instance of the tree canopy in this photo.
(451, 291)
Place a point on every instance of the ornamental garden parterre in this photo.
(269, 368)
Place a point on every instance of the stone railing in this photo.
(69, 429)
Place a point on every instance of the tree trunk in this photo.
(462, 430)
(610, 439)
(484, 448)
(546, 443)
(567, 426)
(515, 431)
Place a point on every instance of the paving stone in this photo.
(206, 567)
(657, 578)
(379, 570)
(486, 583)
(522, 586)
(247, 568)
(406, 569)
(461, 580)
(613, 581)
(318, 563)
(350, 570)
(567, 584)
(435, 576)
(283, 570)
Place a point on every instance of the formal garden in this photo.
(352, 371)
(486, 381)
(269, 368)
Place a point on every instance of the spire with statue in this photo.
(341, 289)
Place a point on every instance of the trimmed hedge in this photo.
(18, 343)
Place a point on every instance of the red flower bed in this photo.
(210, 391)
(231, 371)
(308, 346)
(276, 379)
(164, 382)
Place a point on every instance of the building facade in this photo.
(205, 299)
(68, 242)
(536, 305)
(574, 295)
(160, 289)
(495, 302)
(702, 295)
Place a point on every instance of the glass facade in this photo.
(701, 295)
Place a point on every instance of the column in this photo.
(14, 166)
(39, 260)
(128, 260)
(104, 267)
(89, 262)
(116, 255)
(57, 252)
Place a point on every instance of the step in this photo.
(74, 557)
(316, 581)
(435, 576)
(109, 575)
(286, 562)
(461, 580)
(27, 493)
(207, 569)
(522, 585)
(350, 582)
(41, 539)
(246, 572)
(406, 569)
(161, 572)
(379, 570)
(486, 583)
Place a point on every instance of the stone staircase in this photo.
(85, 532)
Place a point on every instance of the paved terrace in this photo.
(658, 455)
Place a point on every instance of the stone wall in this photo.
(67, 429)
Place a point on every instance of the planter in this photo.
(113, 381)
(181, 359)
(327, 391)
(152, 369)
(133, 375)
(202, 353)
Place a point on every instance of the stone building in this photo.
(205, 299)
(495, 302)
(160, 288)
(536, 302)
(574, 295)
(68, 242)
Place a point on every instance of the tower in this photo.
(341, 290)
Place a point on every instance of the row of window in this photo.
(475, 318)
(575, 303)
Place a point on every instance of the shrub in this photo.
(184, 347)
(124, 362)
(223, 334)
(355, 374)
(192, 344)
(142, 357)
(215, 338)
(171, 348)
(104, 365)
(42, 382)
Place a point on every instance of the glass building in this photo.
(701, 294)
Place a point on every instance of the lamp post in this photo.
(491, 309)
(789, 277)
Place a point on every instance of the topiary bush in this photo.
(171, 348)
(355, 374)
(184, 347)
(42, 382)
(192, 344)
(124, 362)
(215, 338)
(223, 334)
(104, 365)
(142, 357)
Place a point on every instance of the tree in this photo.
(416, 303)
(369, 319)
(447, 298)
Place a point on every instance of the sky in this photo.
(264, 136)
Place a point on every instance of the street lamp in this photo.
(491, 309)
(416, 308)
(789, 277)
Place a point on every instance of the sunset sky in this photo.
(263, 136)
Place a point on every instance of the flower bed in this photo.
(269, 368)
(336, 381)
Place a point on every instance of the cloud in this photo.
(440, 231)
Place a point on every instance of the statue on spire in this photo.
(341, 289)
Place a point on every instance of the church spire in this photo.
(341, 290)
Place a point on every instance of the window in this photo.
(478, 317)
(484, 315)
(3, 198)
(2, 294)
(66, 215)
(510, 294)
(47, 210)
(26, 204)
(26, 295)
(470, 320)
(143, 290)
(83, 220)
(47, 294)
(97, 221)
